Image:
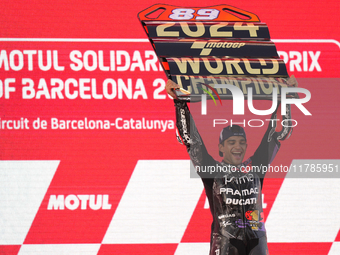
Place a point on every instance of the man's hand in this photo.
(292, 81)
(170, 87)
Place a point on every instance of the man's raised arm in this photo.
(187, 132)
(279, 129)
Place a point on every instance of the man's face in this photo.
(234, 149)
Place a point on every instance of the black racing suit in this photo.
(235, 197)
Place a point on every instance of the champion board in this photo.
(214, 45)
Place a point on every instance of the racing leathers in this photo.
(234, 195)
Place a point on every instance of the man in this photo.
(234, 195)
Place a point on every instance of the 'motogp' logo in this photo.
(208, 46)
(238, 100)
